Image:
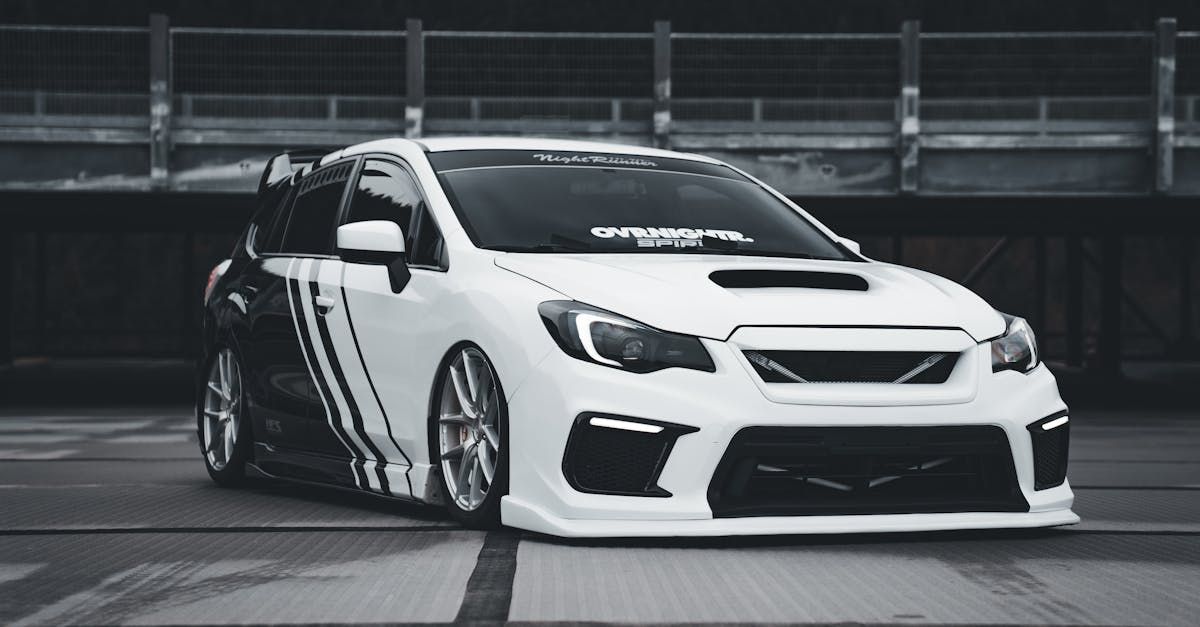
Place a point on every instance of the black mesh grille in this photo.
(851, 366)
(1050, 448)
(616, 461)
(793, 471)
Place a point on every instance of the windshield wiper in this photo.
(558, 244)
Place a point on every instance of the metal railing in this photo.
(650, 86)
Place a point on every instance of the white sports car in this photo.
(588, 339)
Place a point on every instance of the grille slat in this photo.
(796, 471)
(778, 366)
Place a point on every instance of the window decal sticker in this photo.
(613, 160)
(668, 237)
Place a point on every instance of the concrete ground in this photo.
(107, 516)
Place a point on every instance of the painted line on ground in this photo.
(489, 590)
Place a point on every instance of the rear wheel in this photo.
(469, 435)
(223, 426)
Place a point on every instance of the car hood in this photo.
(674, 292)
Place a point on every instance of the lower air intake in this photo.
(618, 455)
(1050, 448)
(798, 471)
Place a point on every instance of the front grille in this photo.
(799, 471)
(606, 460)
(1050, 448)
(852, 366)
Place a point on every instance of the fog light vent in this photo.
(619, 455)
(1051, 438)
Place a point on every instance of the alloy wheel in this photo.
(468, 432)
(222, 410)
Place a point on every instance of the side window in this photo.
(314, 213)
(386, 191)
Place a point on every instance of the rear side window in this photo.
(314, 212)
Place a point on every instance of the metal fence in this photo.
(585, 82)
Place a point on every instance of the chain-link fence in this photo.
(73, 71)
(520, 81)
(1014, 79)
(784, 78)
(538, 77)
(1187, 77)
(287, 74)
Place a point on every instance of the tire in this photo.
(468, 434)
(221, 411)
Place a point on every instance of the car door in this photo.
(339, 411)
(384, 325)
(279, 387)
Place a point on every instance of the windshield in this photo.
(525, 201)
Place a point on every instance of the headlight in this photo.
(1016, 349)
(605, 338)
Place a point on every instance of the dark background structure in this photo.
(1048, 156)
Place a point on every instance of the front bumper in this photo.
(543, 408)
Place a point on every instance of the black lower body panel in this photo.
(799, 471)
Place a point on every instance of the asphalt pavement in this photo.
(107, 517)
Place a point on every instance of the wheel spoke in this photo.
(455, 453)
(229, 436)
(460, 390)
(491, 436)
(487, 464)
(216, 387)
(454, 419)
(472, 375)
(476, 494)
(464, 471)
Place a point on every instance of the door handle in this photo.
(324, 304)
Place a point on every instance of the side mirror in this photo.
(377, 242)
(852, 245)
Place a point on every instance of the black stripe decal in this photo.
(339, 376)
(333, 415)
(383, 412)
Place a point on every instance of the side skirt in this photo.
(315, 469)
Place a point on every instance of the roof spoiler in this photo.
(283, 165)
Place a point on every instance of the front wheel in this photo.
(468, 435)
(223, 424)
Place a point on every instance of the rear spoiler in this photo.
(283, 165)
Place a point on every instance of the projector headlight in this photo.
(1017, 348)
(605, 338)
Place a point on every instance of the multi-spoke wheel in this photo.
(470, 424)
(221, 420)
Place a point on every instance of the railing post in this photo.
(662, 83)
(1074, 285)
(7, 302)
(1109, 346)
(160, 100)
(414, 75)
(1164, 104)
(910, 101)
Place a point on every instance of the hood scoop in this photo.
(789, 278)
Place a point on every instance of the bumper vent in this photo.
(852, 366)
(797, 471)
(1050, 448)
(619, 455)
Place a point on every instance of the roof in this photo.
(447, 144)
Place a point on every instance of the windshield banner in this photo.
(659, 237)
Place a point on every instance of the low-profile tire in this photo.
(468, 437)
(222, 423)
